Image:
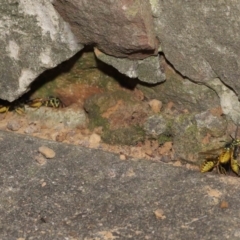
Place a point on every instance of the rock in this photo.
(110, 25)
(147, 70)
(61, 137)
(69, 116)
(31, 129)
(46, 152)
(35, 38)
(120, 115)
(214, 125)
(200, 39)
(155, 125)
(229, 102)
(14, 125)
(122, 157)
(159, 214)
(185, 95)
(94, 140)
(155, 105)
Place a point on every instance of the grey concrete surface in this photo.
(90, 194)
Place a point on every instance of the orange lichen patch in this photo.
(166, 148)
(124, 115)
(77, 93)
(149, 147)
(138, 94)
(216, 111)
(112, 109)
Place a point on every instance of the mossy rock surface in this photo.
(120, 115)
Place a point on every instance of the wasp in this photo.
(235, 152)
(226, 159)
(16, 106)
(51, 101)
(4, 109)
(218, 161)
(35, 103)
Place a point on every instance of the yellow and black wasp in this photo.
(51, 101)
(16, 106)
(228, 158)
(35, 103)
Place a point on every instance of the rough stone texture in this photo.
(120, 115)
(155, 125)
(194, 133)
(228, 99)
(147, 70)
(71, 117)
(90, 194)
(184, 94)
(201, 39)
(33, 38)
(119, 28)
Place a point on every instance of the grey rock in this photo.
(14, 125)
(118, 28)
(68, 116)
(185, 94)
(33, 38)
(88, 194)
(201, 39)
(147, 70)
(155, 125)
(214, 125)
(228, 99)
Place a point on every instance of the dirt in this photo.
(149, 149)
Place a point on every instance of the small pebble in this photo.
(159, 214)
(155, 105)
(43, 184)
(14, 125)
(61, 137)
(94, 140)
(31, 129)
(40, 160)
(122, 157)
(46, 152)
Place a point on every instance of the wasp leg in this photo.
(20, 110)
(221, 169)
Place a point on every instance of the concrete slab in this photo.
(90, 194)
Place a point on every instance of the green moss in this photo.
(124, 136)
(165, 138)
(192, 130)
(95, 119)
